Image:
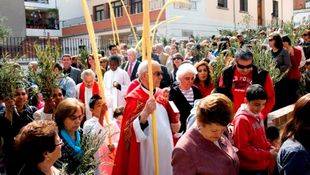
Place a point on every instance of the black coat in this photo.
(133, 75)
(182, 104)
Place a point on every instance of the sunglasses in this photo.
(270, 39)
(158, 74)
(177, 58)
(244, 67)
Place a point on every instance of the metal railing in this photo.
(23, 47)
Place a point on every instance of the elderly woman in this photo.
(203, 80)
(204, 149)
(68, 116)
(185, 93)
(39, 145)
(294, 155)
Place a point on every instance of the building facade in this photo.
(197, 17)
(301, 12)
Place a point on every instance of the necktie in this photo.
(129, 71)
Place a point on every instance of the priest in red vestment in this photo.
(134, 155)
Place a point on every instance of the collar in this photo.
(244, 107)
(146, 90)
(133, 63)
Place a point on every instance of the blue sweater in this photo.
(293, 159)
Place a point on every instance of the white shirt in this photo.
(88, 95)
(165, 143)
(40, 115)
(115, 98)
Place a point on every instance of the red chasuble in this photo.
(82, 91)
(127, 160)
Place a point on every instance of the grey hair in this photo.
(185, 68)
(88, 72)
(167, 49)
(143, 67)
(132, 50)
(159, 45)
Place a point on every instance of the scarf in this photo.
(75, 145)
(95, 91)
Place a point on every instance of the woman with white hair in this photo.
(185, 93)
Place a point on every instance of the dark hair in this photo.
(93, 101)
(287, 39)
(117, 112)
(307, 62)
(255, 92)
(278, 41)
(215, 108)
(299, 124)
(208, 80)
(87, 60)
(111, 46)
(65, 109)
(244, 54)
(115, 58)
(66, 55)
(58, 66)
(272, 133)
(35, 139)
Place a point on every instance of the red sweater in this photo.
(294, 73)
(205, 90)
(249, 137)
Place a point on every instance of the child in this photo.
(118, 116)
(273, 136)
(256, 154)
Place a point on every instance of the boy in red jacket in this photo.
(256, 154)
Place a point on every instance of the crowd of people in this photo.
(203, 125)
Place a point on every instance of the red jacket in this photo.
(249, 137)
(294, 72)
(128, 151)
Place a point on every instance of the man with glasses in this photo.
(237, 78)
(135, 150)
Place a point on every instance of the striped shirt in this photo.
(189, 95)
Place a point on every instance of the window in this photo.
(187, 33)
(42, 19)
(136, 6)
(99, 12)
(192, 5)
(38, 1)
(243, 5)
(117, 6)
(275, 9)
(222, 3)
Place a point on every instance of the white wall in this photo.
(43, 32)
(69, 9)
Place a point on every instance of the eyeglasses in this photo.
(158, 74)
(305, 34)
(73, 117)
(60, 143)
(270, 39)
(244, 67)
(189, 78)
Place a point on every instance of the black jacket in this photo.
(133, 75)
(182, 104)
